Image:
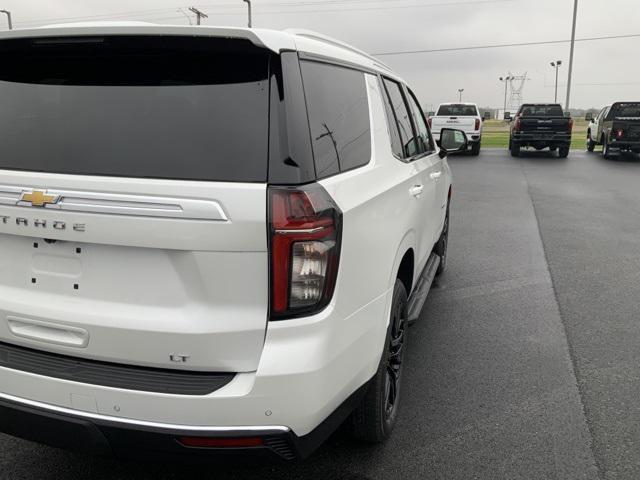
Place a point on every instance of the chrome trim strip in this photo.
(293, 231)
(143, 423)
(120, 204)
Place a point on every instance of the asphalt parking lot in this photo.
(526, 360)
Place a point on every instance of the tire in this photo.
(591, 145)
(515, 150)
(606, 150)
(563, 152)
(475, 149)
(373, 420)
(442, 245)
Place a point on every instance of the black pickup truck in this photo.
(541, 125)
(616, 128)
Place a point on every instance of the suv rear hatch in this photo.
(133, 176)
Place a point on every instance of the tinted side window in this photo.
(338, 108)
(394, 131)
(424, 139)
(399, 108)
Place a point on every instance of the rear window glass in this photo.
(338, 108)
(458, 110)
(625, 110)
(542, 111)
(144, 106)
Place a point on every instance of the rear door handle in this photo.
(435, 175)
(416, 190)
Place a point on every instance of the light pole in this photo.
(556, 65)
(573, 42)
(460, 90)
(248, 2)
(506, 84)
(8, 14)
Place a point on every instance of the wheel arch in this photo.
(404, 262)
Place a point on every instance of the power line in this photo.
(199, 14)
(387, 7)
(295, 6)
(504, 45)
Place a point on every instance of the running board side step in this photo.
(419, 294)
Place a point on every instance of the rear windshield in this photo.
(458, 110)
(542, 111)
(624, 110)
(144, 106)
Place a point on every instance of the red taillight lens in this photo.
(570, 125)
(430, 122)
(305, 232)
(619, 133)
(206, 442)
(517, 124)
(477, 127)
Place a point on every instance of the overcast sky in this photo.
(605, 70)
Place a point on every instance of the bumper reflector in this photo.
(220, 442)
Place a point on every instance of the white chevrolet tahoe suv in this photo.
(211, 239)
(463, 116)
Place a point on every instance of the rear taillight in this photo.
(619, 133)
(305, 232)
(430, 122)
(570, 125)
(477, 127)
(517, 124)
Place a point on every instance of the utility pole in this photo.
(556, 65)
(573, 42)
(199, 14)
(460, 90)
(8, 14)
(506, 84)
(248, 2)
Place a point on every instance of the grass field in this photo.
(495, 134)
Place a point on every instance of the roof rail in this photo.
(332, 41)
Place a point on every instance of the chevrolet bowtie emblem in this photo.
(38, 198)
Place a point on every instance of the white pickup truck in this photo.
(463, 116)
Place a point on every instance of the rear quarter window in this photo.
(338, 109)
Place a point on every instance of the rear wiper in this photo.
(38, 42)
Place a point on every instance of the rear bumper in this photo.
(112, 436)
(555, 140)
(309, 369)
(625, 144)
(473, 137)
